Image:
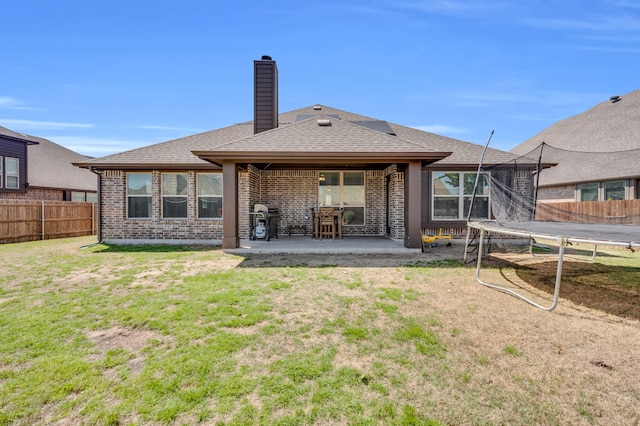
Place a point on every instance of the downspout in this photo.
(99, 235)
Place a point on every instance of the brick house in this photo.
(34, 168)
(391, 180)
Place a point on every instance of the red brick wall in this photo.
(35, 194)
(293, 192)
(116, 225)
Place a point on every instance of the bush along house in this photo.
(390, 180)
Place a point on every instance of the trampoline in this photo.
(563, 233)
(516, 212)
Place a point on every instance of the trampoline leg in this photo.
(466, 244)
(590, 259)
(556, 292)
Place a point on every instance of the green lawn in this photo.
(183, 335)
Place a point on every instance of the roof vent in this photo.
(266, 58)
(324, 122)
(614, 99)
(317, 107)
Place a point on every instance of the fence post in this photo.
(93, 205)
(42, 214)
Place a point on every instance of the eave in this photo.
(299, 159)
(146, 166)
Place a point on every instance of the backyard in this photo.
(135, 335)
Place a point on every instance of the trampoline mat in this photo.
(585, 232)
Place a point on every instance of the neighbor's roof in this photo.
(15, 135)
(602, 143)
(49, 164)
(298, 132)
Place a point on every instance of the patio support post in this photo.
(230, 239)
(413, 205)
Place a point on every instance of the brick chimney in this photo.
(265, 100)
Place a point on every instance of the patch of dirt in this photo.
(131, 340)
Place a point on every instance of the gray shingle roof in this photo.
(50, 165)
(6, 132)
(602, 143)
(177, 151)
(309, 136)
(302, 136)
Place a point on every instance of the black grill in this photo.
(264, 222)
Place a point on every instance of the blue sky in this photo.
(101, 77)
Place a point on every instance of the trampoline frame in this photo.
(492, 226)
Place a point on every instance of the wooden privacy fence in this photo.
(24, 220)
(612, 212)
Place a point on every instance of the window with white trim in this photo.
(12, 173)
(452, 193)
(209, 194)
(343, 190)
(139, 195)
(174, 195)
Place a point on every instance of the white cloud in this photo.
(452, 6)
(40, 125)
(558, 98)
(96, 147)
(441, 129)
(7, 102)
(170, 128)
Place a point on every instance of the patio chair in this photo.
(327, 223)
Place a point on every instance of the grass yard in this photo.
(182, 335)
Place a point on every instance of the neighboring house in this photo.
(393, 180)
(597, 153)
(33, 168)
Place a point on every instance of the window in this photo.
(614, 190)
(588, 191)
(77, 196)
(209, 195)
(139, 195)
(343, 190)
(602, 191)
(12, 166)
(92, 197)
(451, 202)
(174, 195)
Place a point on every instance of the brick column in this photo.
(230, 239)
(413, 207)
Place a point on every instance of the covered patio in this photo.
(285, 165)
(349, 245)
